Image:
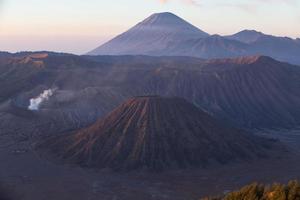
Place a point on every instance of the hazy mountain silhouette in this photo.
(165, 34)
(246, 36)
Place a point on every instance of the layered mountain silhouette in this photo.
(165, 34)
(248, 92)
(156, 133)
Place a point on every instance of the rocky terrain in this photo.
(29, 176)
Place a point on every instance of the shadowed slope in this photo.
(156, 133)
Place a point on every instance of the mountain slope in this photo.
(214, 46)
(150, 36)
(156, 133)
(253, 92)
(281, 48)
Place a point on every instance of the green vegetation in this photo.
(255, 191)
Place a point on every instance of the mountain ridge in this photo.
(253, 93)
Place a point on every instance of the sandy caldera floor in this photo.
(28, 177)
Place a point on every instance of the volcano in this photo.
(151, 36)
(156, 133)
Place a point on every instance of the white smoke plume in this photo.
(44, 96)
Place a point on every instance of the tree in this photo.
(255, 191)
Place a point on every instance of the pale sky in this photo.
(78, 26)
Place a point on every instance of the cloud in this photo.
(278, 1)
(253, 5)
(192, 2)
(286, 2)
(246, 5)
(242, 6)
(189, 2)
(44, 96)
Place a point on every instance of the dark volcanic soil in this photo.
(33, 178)
(157, 133)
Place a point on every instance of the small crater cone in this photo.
(156, 133)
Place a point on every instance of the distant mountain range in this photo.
(165, 34)
(250, 92)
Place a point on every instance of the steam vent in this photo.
(156, 133)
